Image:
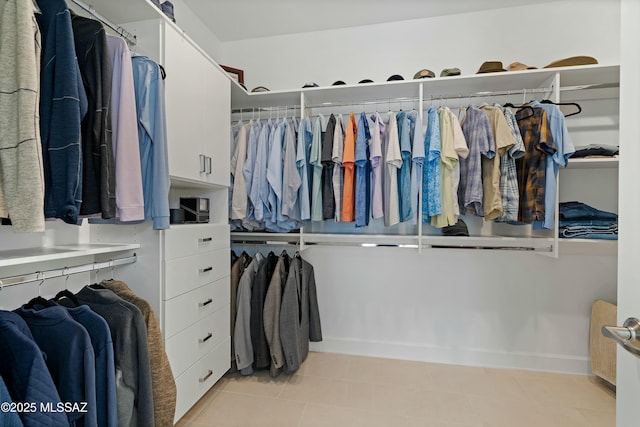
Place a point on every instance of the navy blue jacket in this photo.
(8, 419)
(69, 357)
(63, 104)
(26, 375)
(98, 329)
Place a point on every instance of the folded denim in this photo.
(587, 223)
(580, 231)
(594, 236)
(578, 210)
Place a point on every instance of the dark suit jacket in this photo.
(262, 356)
(299, 314)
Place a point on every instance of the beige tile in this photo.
(477, 381)
(183, 423)
(258, 384)
(204, 402)
(424, 404)
(569, 392)
(403, 373)
(242, 410)
(328, 391)
(326, 365)
(419, 422)
(598, 418)
(333, 416)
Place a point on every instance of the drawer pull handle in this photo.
(205, 270)
(207, 338)
(205, 239)
(208, 164)
(206, 303)
(203, 160)
(209, 373)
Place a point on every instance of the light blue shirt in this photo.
(250, 222)
(152, 137)
(431, 197)
(404, 174)
(417, 146)
(315, 159)
(363, 182)
(259, 184)
(305, 138)
(291, 181)
(564, 150)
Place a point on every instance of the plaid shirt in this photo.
(531, 168)
(508, 174)
(479, 136)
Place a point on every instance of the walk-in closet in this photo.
(303, 214)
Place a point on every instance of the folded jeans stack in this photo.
(578, 220)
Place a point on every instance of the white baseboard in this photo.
(456, 356)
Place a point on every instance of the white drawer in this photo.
(186, 347)
(198, 379)
(186, 240)
(185, 274)
(186, 309)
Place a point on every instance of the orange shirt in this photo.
(348, 161)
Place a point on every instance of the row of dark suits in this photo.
(274, 312)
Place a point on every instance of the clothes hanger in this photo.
(572, 104)
(521, 107)
(39, 300)
(66, 293)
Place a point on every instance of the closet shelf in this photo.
(580, 78)
(17, 257)
(593, 163)
(532, 244)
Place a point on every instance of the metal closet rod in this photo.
(6, 282)
(130, 38)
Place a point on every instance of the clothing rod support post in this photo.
(130, 38)
(6, 282)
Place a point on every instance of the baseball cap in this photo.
(447, 72)
(366, 81)
(259, 89)
(423, 74)
(310, 84)
(338, 83)
(395, 77)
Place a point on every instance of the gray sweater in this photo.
(131, 355)
(21, 176)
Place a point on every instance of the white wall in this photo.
(535, 35)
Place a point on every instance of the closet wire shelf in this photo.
(6, 282)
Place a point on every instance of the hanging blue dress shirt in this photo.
(404, 174)
(431, 197)
(363, 168)
(305, 137)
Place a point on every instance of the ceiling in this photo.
(264, 18)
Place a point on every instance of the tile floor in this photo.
(338, 390)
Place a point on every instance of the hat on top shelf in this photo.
(491, 67)
(338, 83)
(259, 89)
(448, 72)
(167, 9)
(365, 81)
(424, 74)
(519, 66)
(310, 84)
(572, 61)
(395, 77)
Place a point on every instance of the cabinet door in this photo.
(216, 124)
(183, 103)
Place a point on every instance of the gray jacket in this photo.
(299, 314)
(271, 313)
(242, 331)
